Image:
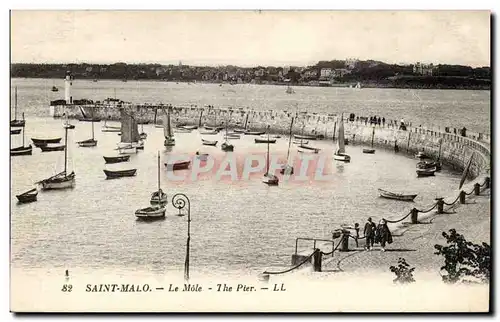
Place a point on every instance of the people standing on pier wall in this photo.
(369, 232)
(383, 121)
(463, 131)
(383, 234)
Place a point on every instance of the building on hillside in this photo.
(325, 73)
(340, 72)
(310, 73)
(350, 63)
(423, 69)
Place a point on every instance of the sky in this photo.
(250, 38)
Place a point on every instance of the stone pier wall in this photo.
(455, 150)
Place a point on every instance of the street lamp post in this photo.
(181, 201)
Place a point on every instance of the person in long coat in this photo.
(369, 233)
(383, 234)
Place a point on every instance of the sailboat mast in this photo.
(373, 134)
(267, 163)
(65, 148)
(289, 140)
(23, 135)
(92, 123)
(159, 173)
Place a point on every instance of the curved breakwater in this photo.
(453, 150)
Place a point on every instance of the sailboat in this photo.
(226, 146)
(61, 180)
(268, 178)
(287, 169)
(158, 197)
(127, 138)
(89, 142)
(67, 124)
(22, 150)
(340, 155)
(109, 128)
(372, 150)
(167, 130)
(15, 122)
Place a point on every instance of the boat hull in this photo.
(342, 157)
(209, 143)
(111, 129)
(178, 165)
(369, 151)
(169, 142)
(22, 150)
(286, 170)
(39, 142)
(265, 141)
(425, 172)
(304, 137)
(46, 148)
(270, 180)
(119, 159)
(396, 196)
(227, 147)
(29, 196)
(150, 213)
(16, 131)
(69, 126)
(119, 174)
(17, 123)
(254, 133)
(87, 143)
(59, 183)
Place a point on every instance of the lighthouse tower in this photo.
(68, 82)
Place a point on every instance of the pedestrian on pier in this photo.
(356, 237)
(383, 121)
(383, 234)
(379, 121)
(369, 232)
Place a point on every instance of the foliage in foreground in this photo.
(404, 274)
(464, 259)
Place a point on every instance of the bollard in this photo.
(462, 197)
(487, 182)
(414, 216)
(477, 187)
(344, 246)
(317, 260)
(440, 205)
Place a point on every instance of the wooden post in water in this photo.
(461, 196)
(414, 216)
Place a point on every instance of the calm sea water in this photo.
(242, 226)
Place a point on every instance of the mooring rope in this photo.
(296, 266)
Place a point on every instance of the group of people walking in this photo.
(374, 234)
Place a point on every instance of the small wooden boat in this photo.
(46, 148)
(22, 150)
(87, 143)
(128, 149)
(227, 147)
(158, 197)
(39, 142)
(59, 181)
(342, 157)
(169, 141)
(426, 172)
(428, 165)
(55, 89)
(28, 196)
(119, 173)
(16, 131)
(286, 169)
(210, 143)
(239, 131)
(182, 130)
(182, 165)
(369, 151)
(272, 136)
(110, 128)
(68, 126)
(270, 179)
(189, 127)
(300, 142)
(261, 140)
(118, 159)
(232, 137)
(304, 137)
(254, 133)
(153, 212)
(421, 155)
(306, 147)
(209, 132)
(397, 196)
(89, 119)
(202, 156)
(340, 154)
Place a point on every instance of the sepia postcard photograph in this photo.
(250, 161)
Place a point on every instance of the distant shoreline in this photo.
(434, 83)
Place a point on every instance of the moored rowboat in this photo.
(39, 142)
(154, 212)
(119, 173)
(178, 165)
(426, 172)
(28, 196)
(22, 150)
(304, 137)
(397, 196)
(15, 131)
(261, 140)
(118, 159)
(210, 143)
(46, 148)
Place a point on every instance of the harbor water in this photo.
(238, 227)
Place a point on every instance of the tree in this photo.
(463, 258)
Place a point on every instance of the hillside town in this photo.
(346, 72)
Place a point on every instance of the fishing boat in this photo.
(22, 150)
(202, 156)
(226, 146)
(62, 180)
(28, 196)
(427, 165)
(167, 129)
(129, 140)
(55, 89)
(149, 213)
(286, 168)
(371, 150)
(89, 142)
(426, 172)
(397, 196)
(53, 148)
(40, 142)
(308, 149)
(15, 122)
(207, 142)
(254, 132)
(158, 197)
(119, 173)
(268, 178)
(340, 154)
(15, 131)
(117, 159)
(180, 165)
(304, 137)
(262, 140)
